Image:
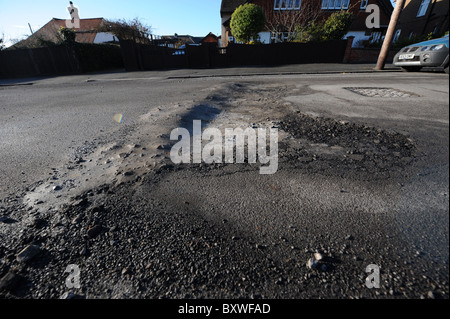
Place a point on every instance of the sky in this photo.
(166, 17)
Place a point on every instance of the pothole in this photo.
(381, 92)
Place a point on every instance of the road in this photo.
(362, 179)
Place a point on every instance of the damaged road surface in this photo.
(91, 205)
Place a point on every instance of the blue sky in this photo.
(166, 17)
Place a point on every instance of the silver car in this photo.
(432, 53)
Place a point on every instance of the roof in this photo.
(85, 24)
(387, 6)
(228, 6)
(211, 37)
(176, 40)
(85, 33)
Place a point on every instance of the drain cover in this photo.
(380, 92)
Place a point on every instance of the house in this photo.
(176, 40)
(282, 16)
(87, 32)
(211, 38)
(422, 17)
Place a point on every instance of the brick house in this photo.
(210, 38)
(85, 33)
(283, 15)
(422, 17)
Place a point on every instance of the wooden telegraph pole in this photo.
(389, 35)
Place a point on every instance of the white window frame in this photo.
(297, 4)
(280, 37)
(423, 8)
(287, 4)
(277, 4)
(335, 4)
(364, 4)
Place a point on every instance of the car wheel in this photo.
(446, 69)
(411, 68)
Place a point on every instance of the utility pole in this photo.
(389, 35)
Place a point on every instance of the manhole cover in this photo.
(381, 92)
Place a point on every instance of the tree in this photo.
(246, 22)
(128, 30)
(2, 46)
(290, 21)
(337, 25)
(333, 28)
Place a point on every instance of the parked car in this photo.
(432, 53)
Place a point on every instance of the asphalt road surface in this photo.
(362, 181)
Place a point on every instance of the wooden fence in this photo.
(148, 57)
(59, 60)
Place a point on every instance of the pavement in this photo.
(362, 180)
(317, 68)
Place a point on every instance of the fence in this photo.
(148, 57)
(59, 60)
(79, 58)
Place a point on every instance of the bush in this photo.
(123, 29)
(334, 28)
(68, 35)
(246, 22)
(311, 33)
(337, 25)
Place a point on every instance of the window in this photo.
(335, 4)
(397, 35)
(287, 4)
(338, 4)
(375, 37)
(436, 29)
(277, 4)
(278, 37)
(423, 8)
(364, 4)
